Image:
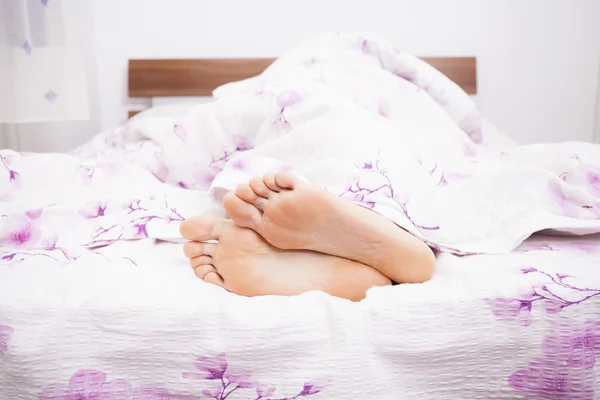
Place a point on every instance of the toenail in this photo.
(202, 270)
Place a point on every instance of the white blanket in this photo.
(354, 115)
(368, 122)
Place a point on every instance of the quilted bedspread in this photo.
(97, 301)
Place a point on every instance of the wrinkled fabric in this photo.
(95, 305)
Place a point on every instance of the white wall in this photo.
(538, 60)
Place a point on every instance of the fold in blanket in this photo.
(366, 121)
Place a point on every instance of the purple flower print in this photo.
(88, 385)
(548, 378)
(153, 393)
(433, 169)
(204, 177)
(288, 98)
(360, 194)
(161, 173)
(214, 393)
(14, 177)
(131, 261)
(20, 231)
(34, 213)
(136, 227)
(586, 247)
(86, 174)
(6, 333)
(365, 47)
(263, 391)
(94, 209)
(45, 251)
(242, 143)
(534, 246)
(407, 75)
(239, 164)
(217, 369)
(443, 182)
(26, 47)
(210, 368)
(310, 389)
(566, 369)
(452, 178)
(507, 309)
(578, 346)
(180, 131)
(140, 230)
(51, 95)
(560, 199)
(285, 100)
(553, 303)
(592, 180)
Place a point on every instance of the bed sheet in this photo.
(131, 321)
(97, 301)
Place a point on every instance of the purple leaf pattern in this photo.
(549, 378)
(14, 178)
(136, 225)
(89, 384)
(137, 182)
(217, 369)
(570, 349)
(180, 131)
(364, 195)
(94, 385)
(26, 47)
(51, 96)
(286, 100)
(545, 293)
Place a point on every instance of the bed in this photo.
(107, 307)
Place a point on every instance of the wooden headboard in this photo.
(199, 77)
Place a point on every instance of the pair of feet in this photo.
(287, 237)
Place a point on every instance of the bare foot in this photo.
(244, 263)
(292, 214)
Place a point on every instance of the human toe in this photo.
(286, 180)
(214, 278)
(204, 269)
(259, 187)
(242, 213)
(201, 228)
(269, 180)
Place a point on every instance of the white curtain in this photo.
(42, 69)
(597, 121)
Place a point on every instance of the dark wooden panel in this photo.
(155, 78)
(189, 77)
(131, 114)
(462, 70)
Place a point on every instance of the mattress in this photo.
(132, 321)
(97, 301)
